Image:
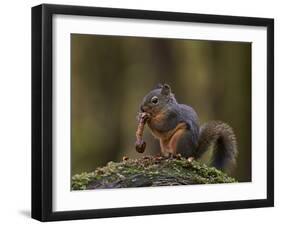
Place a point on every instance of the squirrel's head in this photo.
(158, 100)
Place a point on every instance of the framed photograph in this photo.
(140, 112)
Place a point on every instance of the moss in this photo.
(149, 171)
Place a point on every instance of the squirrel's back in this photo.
(190, 117)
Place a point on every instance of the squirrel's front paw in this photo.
(143, 116)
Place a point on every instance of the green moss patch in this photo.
(149, 171)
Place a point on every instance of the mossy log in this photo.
(149, 171)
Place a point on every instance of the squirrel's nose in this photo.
(143, 108)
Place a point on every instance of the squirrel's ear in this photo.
(166, 89)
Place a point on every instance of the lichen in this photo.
(149, 171)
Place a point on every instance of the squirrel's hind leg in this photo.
(181, 143)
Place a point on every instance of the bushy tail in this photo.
(220, 137)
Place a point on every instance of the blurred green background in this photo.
(111, 74)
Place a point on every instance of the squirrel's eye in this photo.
(154, 100)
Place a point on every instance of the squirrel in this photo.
(178, 130)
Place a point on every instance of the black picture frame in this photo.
(42, 106)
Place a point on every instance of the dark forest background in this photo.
(111, 74)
